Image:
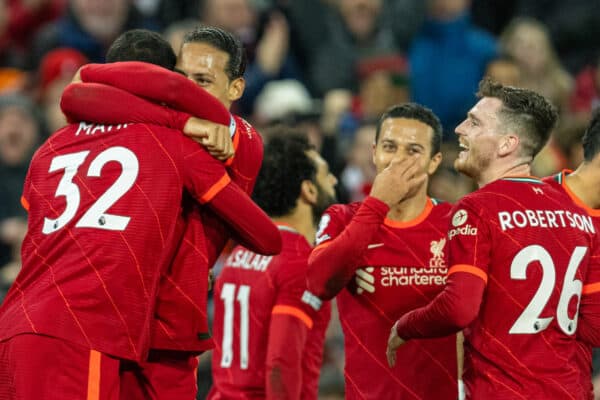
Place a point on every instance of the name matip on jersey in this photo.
(403, 268)
(249, 290)
(532, 246)
(104, 216)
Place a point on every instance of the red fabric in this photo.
(165, 375)
(61, 63)
(331, 268)
(173, 89)
(511, 227)
(274, 287)
(402, 267)
(585, 94)
(24, 22)
(74, 274)
(181, 321)
(87, 102)
(42, 367)
(589, 308)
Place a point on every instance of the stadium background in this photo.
(329, 66)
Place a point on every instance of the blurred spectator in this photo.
(357, 177)
(171, 11)
(21, 131)
(267, 45)
(586, 96)
(357, 31)
(574, 27)
(89, 26)
(19, 22)
(383, 82)
(493, 15)
(447, 60)
(56, 72)
(175, 32)
(504, 70)
(528, 43)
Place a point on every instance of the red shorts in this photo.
(41, 367)
(166, 375)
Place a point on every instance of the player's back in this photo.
(103, 207)
(250, 288)
(535, 245)
(403, 268)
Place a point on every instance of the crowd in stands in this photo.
(329, 66)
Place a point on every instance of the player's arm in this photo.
(458, 304)
(291, 321)
(207, 181)
(588, 325)
(160, 85)
(340, 249)
(333, 263)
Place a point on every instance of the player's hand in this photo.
(394, 342)
(214, 137)
(399, 180)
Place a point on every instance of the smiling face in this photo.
(478, 138)
(404, 137)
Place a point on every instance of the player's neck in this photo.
(493, 174)
(301, 220)
(409, 208)
(584, 178)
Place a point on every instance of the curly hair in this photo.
(142, 45)
(526, 112)
(285, 166)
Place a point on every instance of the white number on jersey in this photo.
(95, 216)
(530, 321)
(243, 297)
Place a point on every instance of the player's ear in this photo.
(236, 89)
(308, 192)
(509, 143)
(434, 163)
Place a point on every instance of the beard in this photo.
(324, 201)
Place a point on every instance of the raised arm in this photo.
(160, 85)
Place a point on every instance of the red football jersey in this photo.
(104, 205)
(402, 269)
(532, 246)
(251, 289)
(181, 319)
(584, 351)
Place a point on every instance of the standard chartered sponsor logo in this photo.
(368, 278)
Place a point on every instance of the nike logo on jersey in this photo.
(374, 245)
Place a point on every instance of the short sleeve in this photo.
(291, 287)
(469, 240)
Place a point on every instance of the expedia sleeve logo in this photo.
(458, 221)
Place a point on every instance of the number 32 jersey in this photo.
(532, 247)
(104, 206)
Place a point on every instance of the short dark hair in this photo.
(419, 113)
(285, 166)
(527, 112)
(142, 45)
(591, 137)
(224, 41)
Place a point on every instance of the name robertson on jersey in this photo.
(92, 129)
(246, 259)
(545, 219)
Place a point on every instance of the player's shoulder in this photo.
(343, 212)
(245, 129)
